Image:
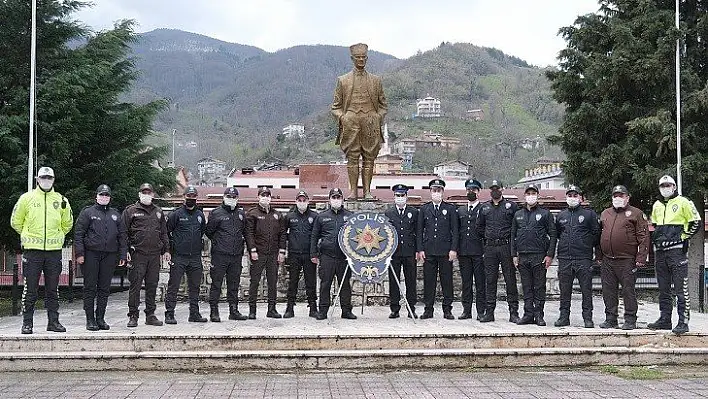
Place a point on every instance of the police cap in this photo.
(437, 183)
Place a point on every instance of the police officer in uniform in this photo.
(405, 220)
(471, 252)
(185, 227)
(299, 223)
(494, 224)
(533, 245)
(578, 233)
(438, 235)
(225, 229)
(325, 251)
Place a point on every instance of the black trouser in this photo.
(98, 270)
(614, 272)
(229, 266)
(672, 267)
(329, 268)
(533, 281)
(269, 262)
(147, 268)
(410, 274)
(433, 266)
(34, 263)
(494, 255)
(192, 266)
(569, 270)
(302, 263)
(472, 271)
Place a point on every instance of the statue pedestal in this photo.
(364, 205)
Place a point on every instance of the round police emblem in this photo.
(114, 217)
(159, 215)
(240, 216)
(674, 208)
(310, 220)
(199, 219)
(368, 241)
(581, 218)
(538, 217)
(628, 213)
(508, 205)
(444, 212)
(410, 215)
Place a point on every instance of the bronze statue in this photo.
(359, 107)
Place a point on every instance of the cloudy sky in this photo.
(524, 28)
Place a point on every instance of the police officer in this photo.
(470, 253)
(325, 251)
(147, 241)
(99, 244)
(299, 223)
(405, 220)
(533, 244)
(437, 246)
(578, 233)
(675, 220)
(265, 239)
(226, 229)
(185, 227)
(42, 217)
(494, 224)
(625, 245)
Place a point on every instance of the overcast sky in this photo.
(524, 28)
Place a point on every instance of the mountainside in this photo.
(232, 100)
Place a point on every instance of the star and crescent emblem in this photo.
(368, 240)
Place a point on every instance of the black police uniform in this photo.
(299, 230)
(437, 235)
(533, 237)
(324, 244)
(471, 259)
(405, 221)
(185, 228)
(494, 224)
(226, 229)
(578, 234)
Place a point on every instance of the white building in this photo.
(210, 167)
(428, 107)
(452, 169)
(546, 174)
(294, 130)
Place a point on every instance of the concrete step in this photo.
(347, 359)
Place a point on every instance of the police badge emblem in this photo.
(114, 217)
(508, 205)
(538, 217)
(310, 220)
(628, 213)
(368, 241)
(581, 218)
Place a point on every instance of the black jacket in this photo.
(471, 243)
(299, 230)
(494, 221)
(99, 228)
(186, 229)
(438, 233)
(578, 233)
(533, 232)
(146, 226)
(406, 227)
(325, 233)
(226, 229)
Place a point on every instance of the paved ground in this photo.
(373, 320)
(415, 384)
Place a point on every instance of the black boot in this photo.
(91, 321)
(609, 323)
(214, 315)
(272, 313)
(527, 319)
(347, 314)
(252, 311)
(27, 326)
(466, 314)
(487, 317)
(132, 321)
(539, 320)
(681, 328)
(100, 319)
(170, 317)
(313, 309)
(322, 314)
(289, 311)
(196, 317)
(55, 326)
(234, 314)
(563, 320)
(663, 323)
(514, 316)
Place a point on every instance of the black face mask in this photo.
(190, 202)
(496, 194)
(472, 196)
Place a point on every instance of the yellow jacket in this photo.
(42, 219)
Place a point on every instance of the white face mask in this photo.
(436, 196)
(45, 184)
(302, 206)
(335, 203)
(400, 201)
(531, 199)
(667, 192)
(145, 199)
(231, 202)
(264, 201)
(618, 202)
(103, 200)
(572, 201)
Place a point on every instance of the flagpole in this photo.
(33, 74)
(678, 103)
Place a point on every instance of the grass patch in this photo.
(635, 372)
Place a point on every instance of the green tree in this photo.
(83, 129)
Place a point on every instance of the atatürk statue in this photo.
(359, 107)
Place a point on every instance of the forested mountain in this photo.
(233, 100)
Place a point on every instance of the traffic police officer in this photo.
(325, 251)
(470, 253)
(533, 244)
(494, 224)
(185, 227)
(438, 235)
(578, 233)
(405, 220)
(299, 223)
(675, 221)
(99, 243)
(225, 229)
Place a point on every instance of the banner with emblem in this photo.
(369, 241)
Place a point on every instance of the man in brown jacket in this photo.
(624, 247)
(265, 239)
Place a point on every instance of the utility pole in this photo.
(33, 75)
